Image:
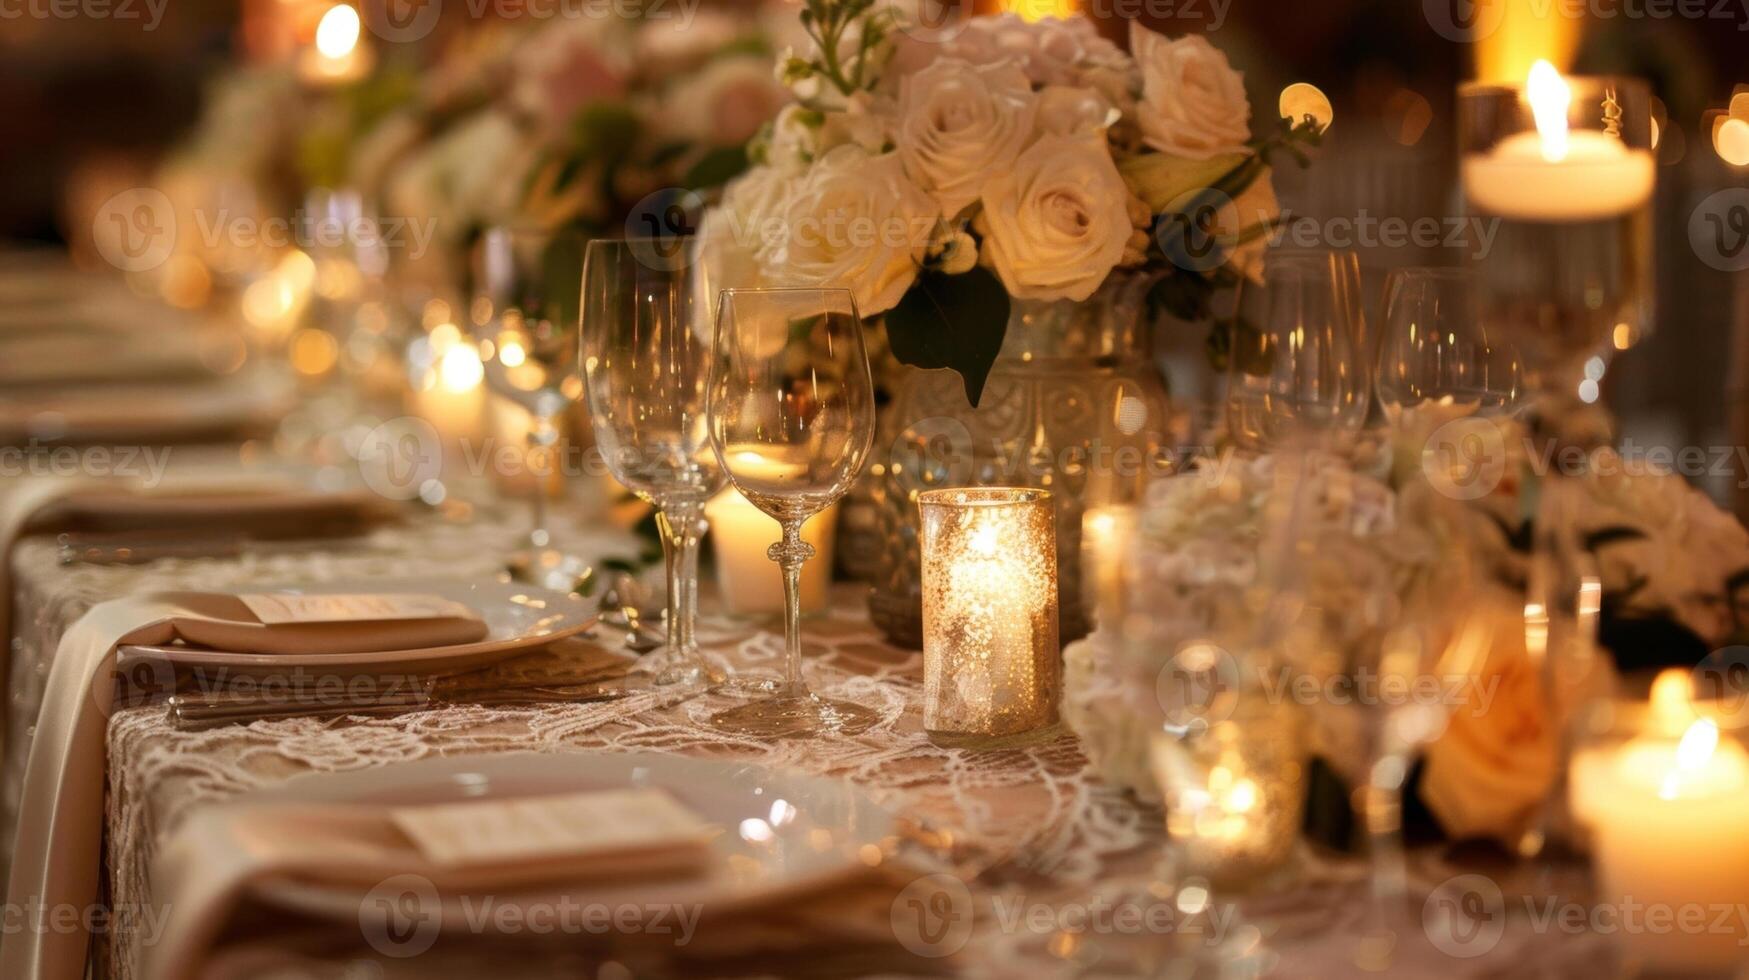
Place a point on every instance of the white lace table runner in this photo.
(1063, 832)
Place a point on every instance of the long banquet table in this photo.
(1046, 832)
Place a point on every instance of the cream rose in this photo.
(1066, 111)
(1193, 102)
(854, 220)
(960, 124)
(1057, 223)
(734, 235)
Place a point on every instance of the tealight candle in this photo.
(991, 664)
(748, 581)
(1666, 811)
(1556, 173)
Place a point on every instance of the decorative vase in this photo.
(1074, 405)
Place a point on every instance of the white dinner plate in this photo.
(518, 618)
(782, 833)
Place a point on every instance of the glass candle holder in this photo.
(1662, 789)
(1563, 169)
(991, 664)
(1105, 538)
(1234, 790)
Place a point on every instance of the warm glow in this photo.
(1302, 99)
(1523, 32)
(1549, 99)
(460, 370)
(1731, 140)
(1692, 755)
(337, 34)
(1671, 706)
(1037, 10)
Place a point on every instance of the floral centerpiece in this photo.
(1670, 563)
(942, 173)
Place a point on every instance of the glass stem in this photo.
(680, 524)
(1382, 810)
(541, 436)
(790, 553)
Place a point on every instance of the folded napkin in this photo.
(59, 838)
(270, 506)
(209, 870)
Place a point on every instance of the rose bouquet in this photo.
(941, 173)
(1671, 565)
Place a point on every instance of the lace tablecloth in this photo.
(1060, 839)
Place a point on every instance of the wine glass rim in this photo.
(735, 290)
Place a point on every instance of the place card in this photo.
(283, 607)
(606, 823)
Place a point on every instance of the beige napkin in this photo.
(270, 506)
(207, 871)
(55, 859)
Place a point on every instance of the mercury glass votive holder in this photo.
(991, 664)
(1234, 791)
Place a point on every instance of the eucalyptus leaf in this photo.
(955, 322)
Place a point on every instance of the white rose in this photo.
(1058, 222)
(735, 233)
(1193, 102)
(1065, 111)
(960, 124)
(853, 220)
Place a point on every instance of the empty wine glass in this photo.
(1435, 349)
(646, 353)
(791, 418)
(525, 311)
(1292, 367)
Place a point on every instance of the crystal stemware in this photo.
(791, 418)
(1436, 351)
(646, 352)
(1292, 368)
(526, 317)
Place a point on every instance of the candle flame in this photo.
(1692, 754)
(1672, 706)
(337, 32)
(1549, 99)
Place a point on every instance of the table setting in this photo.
(836, 489)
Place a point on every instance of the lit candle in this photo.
(1667, 812)
(748, 581)
(991, 664)
(1105, 537)
(337, 56)
(1556, 173)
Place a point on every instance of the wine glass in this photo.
(1436, 350)
(525, 309)
(1292, 367)
(646, 354)
(791, 418)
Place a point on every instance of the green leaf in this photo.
(955, 322)
(1161, 179)
(716, 168)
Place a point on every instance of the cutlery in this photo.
(197, 712)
